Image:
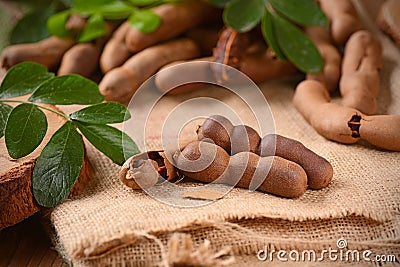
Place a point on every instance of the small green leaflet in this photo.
(109, 9)
(58, 166)
(95, 28)
(116, 145)
(144, 20)
(303, 12)
(268, 32)
(56, 24)
(67, 90)
(32, 27)
(144, 2)
(5, 111)
(296, 46)
(25, 130)
(243, 15)
(23, 79)
(103, 113)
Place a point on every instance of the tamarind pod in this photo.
(80, 59)
(75, 23)
(115, 52)
(311, 99)
(381, 130)
(275, 175)
(334, 122)
(47, 52)
(309, 95)
(330, 74)
(121, 83)
(242, 144)
(344, 20)
(167, 77)
(362, 60)
(205, 38)
(319, 171)
(202, 161)
(263, 66)
(84, 58)
(362, 45)
(217, 129)
(176, 18)
(356, 93)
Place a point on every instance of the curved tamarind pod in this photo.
(330, 74)
(205, 38)
(83, 58)
(121, 83)
(283, 178)
(362, 61)
(344, 20)
(115, 52)
(47, 52)
(167, 77)
(176, 18)
(310, 93)
(381, 130)
(319, 171)
(311, 99)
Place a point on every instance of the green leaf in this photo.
(144, 20)
(109, 9)
(303, 12)
(25, 130)
(32, 27)
(144, 2)
(95, 28)
(268, 32)
(103, 113)
(58, 166)
(116, 145)
(23, 79)
(5, 111)
(56, 24)
(297, 47)
(67, 90)
(243, 15)
(219, 3)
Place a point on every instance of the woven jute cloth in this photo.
(110, 224)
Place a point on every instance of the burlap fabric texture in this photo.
(110, 224)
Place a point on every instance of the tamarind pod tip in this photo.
(382, 131)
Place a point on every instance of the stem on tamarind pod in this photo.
(273, 175)
(242, 138)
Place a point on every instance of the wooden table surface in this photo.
(27, 244)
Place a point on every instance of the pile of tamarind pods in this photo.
(237, 156)
(191, 31)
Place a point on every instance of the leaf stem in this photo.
(39, 106)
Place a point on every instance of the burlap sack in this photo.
(110, 224)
